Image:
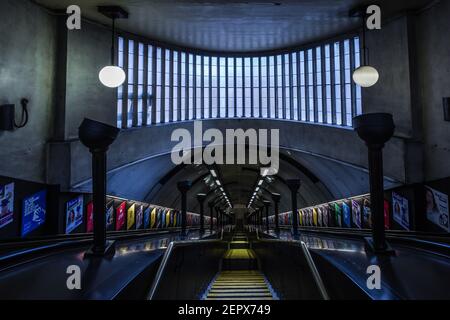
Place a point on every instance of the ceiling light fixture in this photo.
(365, 76)
(112, 76)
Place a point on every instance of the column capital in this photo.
(293, 184)
(184, 186)
(267, 203)
(201, 197)
(276, 197)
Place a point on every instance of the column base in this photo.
(388, 250)
(109, 251)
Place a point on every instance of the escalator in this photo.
(240, 277)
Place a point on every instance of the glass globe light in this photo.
(112, 76)
(366, 76)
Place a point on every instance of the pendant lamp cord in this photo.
(113, 48)
(364, 47)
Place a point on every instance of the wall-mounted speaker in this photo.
(7, 116)
(446, 102)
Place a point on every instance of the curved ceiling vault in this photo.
(236, 25)
(155, 181)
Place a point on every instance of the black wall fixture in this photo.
(7, 116)
(446, 103)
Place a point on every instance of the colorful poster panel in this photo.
(154, 218)
(325, 214)
(315, 217)
(110, 216)
(90, 217)
(331, 215)
(338, 214)
(147, 217)
(131, 217)
(120, 215)
(400, 210)
(320, 215)
(346, 215)
(387, 219)
(6, 204)
(34, 212)
(356, 213)
(74, 214)
(437, 208)
(140, 217)
(367, 214)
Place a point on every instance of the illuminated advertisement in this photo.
(74, 214)
(131, 216)
(34, 212)
(110, 217)
(147, 218)
(319, 217)
(367, 214)
(139, 217)
(300, 217)
(90, 217)
(338, 214)
(356, 213)
(6, 204)
(387, 220)
(437, 208)
(400, 210)
(169, 219)
(153, 218)
(346, 214)
(331, 216)
(315, 216)
(120, 216)
(325, 216)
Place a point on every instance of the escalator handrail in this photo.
(310, 261)
(167, 256)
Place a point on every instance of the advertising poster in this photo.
(147, 218)
(300, 217)
(131, 217)
(110, 217)
(331, 215)
(159, 218)
(437, 208)
(400, 210)
(315, 217)
(120, 215)
(90, 217)
(175, 220)
(356, 213)
(139, 217)
(6, 204)
(319, 218)
(367, 214)
(346, 215)
(387, 220)
(325, 216)
(74, 214)
(153, 217)
(170, 218)
(338, 213)
(34, 212)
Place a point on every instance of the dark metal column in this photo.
(376, 129)
(211, 215)
(98, 137)
(294, 185)
(201, 197)
(183, 187)
(267, 207)
(276, 200)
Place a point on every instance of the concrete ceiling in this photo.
(236, 25)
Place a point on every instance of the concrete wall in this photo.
(88, 51)
(27, 70)
(433, 57)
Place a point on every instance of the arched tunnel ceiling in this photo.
(155, 181)
(236, 25)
